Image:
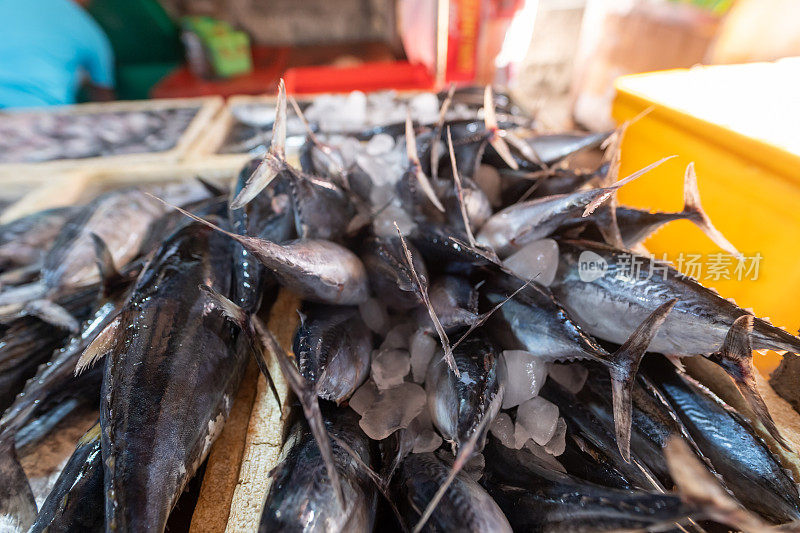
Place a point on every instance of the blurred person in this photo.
(48, 49)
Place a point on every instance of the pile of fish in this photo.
(454, 368)
(30, 137)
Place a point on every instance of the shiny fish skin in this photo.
(536, 498)
(332, 347)
(170, 379)
(458, 405)
(609, 307)
(76, 501)
(30, 342)
(465, 505)
(300, 498)
(390, 278)
(742, 459)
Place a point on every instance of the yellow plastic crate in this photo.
(740, 124)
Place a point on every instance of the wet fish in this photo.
(389, 275)
(513, 227)
(167, 345)
(465, 506)
(30, 341)
(27, 239)
(745, 463)
(75, 502)
(300, 497)
(17, 504)
(537, 498)
(455, 301)
(535, 322)
(459, 404)
(332, 347)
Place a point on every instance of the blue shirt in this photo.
(46, 47)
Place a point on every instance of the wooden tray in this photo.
(208, 108)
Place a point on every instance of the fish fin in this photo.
(308, 400)
(460, 191)
(422, 286)
(437, 131)
(464, 455)
(109, 274)
(526, 150)
(17, 504)
(490, 121)
(698, 487)
(736, 358)
(102, 344)
(274, 160)
(606, 192)
(623, 368)
(693, 210)
(52, 313)
(416, 167)
(242, 319)
(212, 188)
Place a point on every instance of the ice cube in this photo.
(379, 144)
(363, 398)
(503, 429)
(422, 349)
(394, 409)
(558, 443)
(374, 315)
(571, 376)
(537, 260)
(384, 225)
(399, 336)
(424, 108)
(539, 418)
(523, 375)
(390, 367)
(427, 441)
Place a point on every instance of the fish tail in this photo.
(623, 368)
(109, 273)
(693, 210)
(605, 193)
(413, 159)
(17, 504)
(736, 358)
(274, 160)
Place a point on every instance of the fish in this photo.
(332, 347)
(455, 302)
(75, 502)
(26, 240)
(30, 341)
(167, 345)
(742, 459)
(465, 506)
(532, 320)
(300, 497)
(121, 218)
(607, 306)
(700, 323)
(459, 404)
(388, 272)
(636, 225)
(55, 391)
(315, 269)
(522, 223)
(535, 497)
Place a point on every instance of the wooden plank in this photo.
(264, 435)
(61, 191)
(222, 470)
